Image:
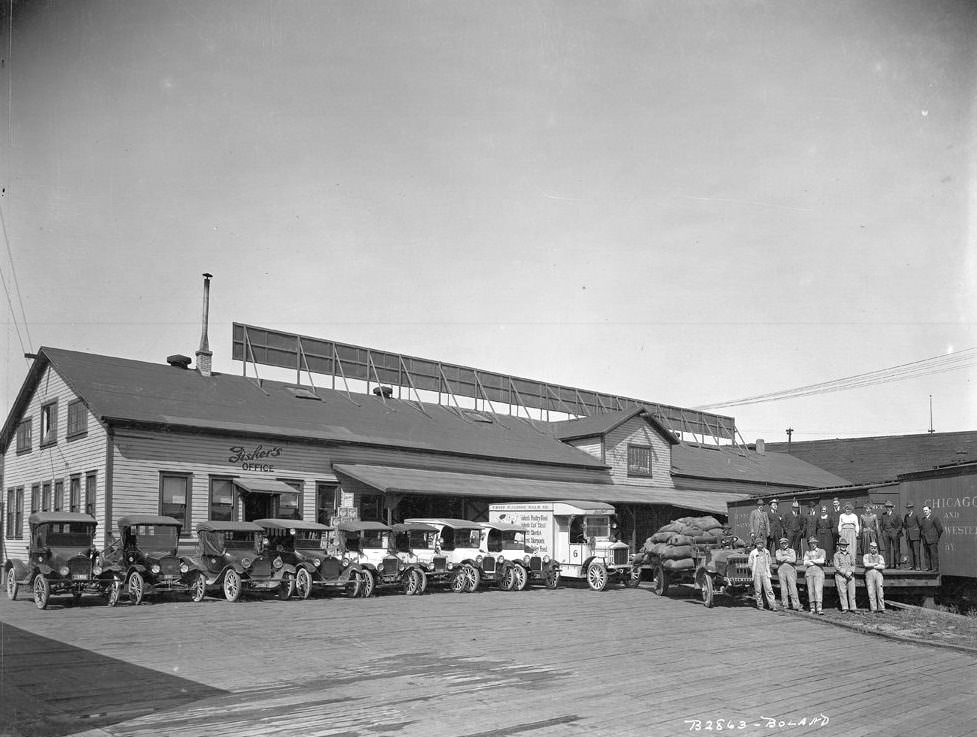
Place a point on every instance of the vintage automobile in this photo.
(306, 546)
(61, 560)
(144, 556)
(580, 536)
(230, 555)
(523, 565)
(460, 542)
(416, 542)
(368, 544)
(721, 568)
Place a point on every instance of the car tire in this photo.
(659, 580)
(413, 582)
(507, 579)
(458, 582)
(354, 585)
(286, 589)
(11, 585)
(42, 592)
(136, 588)
(368, 585)
(198, 587)
(232, 585)
(597, 575)
(552, 578)
(521, 578)
(633, 577)
(303, 583)
(114, 591)
(474, 578)
(707, 591)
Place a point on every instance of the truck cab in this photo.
(460, 542)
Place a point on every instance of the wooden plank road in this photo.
(491, 664)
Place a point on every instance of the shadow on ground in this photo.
(52, 689)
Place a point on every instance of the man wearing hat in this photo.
(874, 565)
(891, 526)
(775, 526)
(930, 532)
(844, 563)
(787, 575)
(910, 525)
(759, 526)
(794, 527)
(814, 574)
(835, 513)
(810, 522)
(759, 561)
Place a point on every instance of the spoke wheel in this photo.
(633, 578)
(12, 586)
(474, 577)
(287, 587)
(507, 579)
(520, 578)
(597, 575)
(135, 588)
(42, 591)
(413, 582)
(369, 584)
(114, 591)
(459, 581)
(198, 587)
(232, 585)
(659, 581)
(303, 583)
(354, 585)
(552, 578)
(707, 591)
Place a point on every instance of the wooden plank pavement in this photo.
(535, 663)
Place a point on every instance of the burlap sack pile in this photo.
(673, 542)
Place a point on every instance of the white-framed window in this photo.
(639, 460)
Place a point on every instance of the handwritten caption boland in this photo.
(726, 725)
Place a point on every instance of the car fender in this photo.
(20, 569)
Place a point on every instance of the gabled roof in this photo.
(881, 458)
(123, 391)
(602, 424)
(735, 464)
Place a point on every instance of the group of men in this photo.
(918, 535)
(815, 559)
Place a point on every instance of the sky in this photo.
(686, 202)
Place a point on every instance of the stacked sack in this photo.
(673, 542)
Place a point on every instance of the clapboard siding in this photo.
(637, 431)
(82, 455)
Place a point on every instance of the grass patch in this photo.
(928, 625)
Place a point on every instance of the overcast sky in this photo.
(687, 202)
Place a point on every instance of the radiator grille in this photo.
(169, 566)
(260, 569)
(440, 564)
(488, 564)
(620, 556)
(330, 568)
(80, 568)
(535, 563)
(391, 566)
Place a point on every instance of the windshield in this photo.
(238, 540)
(514, 540)
(368, 539)
(154, 540)
(597, 526)
(68, 535)
(465, 538)
(308, 539)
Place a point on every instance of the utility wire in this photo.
(925, 367)
(6, 289)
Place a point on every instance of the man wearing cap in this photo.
(759, 526)
(787, 575)
(910, 524)
(891, 527)
(930, 531)
(775, 526)
(759, 561)
(835, 514)
(794, 527)
(814, 574)
(874, 565)
(844, 564)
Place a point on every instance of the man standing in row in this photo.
(759, 561)
(910, 523)
(844, 563)
(930, 531)
(814, 560)
(835, 515)
(759, 524)
(775, 527)
(874, 565)
(891, 527)
(787, 575)
(794, 527)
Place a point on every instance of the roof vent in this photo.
(383, 391)
(761, 447)
(303, 392)
(179, 361)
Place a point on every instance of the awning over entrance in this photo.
(391, 480)
(264, 486)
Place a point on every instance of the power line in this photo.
(925, 367)
(6, 289)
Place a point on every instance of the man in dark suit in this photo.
(834, 515)
(891, 526)
(810, 522)
(910, 525)
(930, 530)
(794, 527)
(775, 527)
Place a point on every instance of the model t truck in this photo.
(573, 539)
(61, 560)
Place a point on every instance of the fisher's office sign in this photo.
(258, 458)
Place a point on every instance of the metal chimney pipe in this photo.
(204, 354)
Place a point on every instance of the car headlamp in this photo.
(546, 559)
(278, 562)
(346, 561)
(316, 562)
(264, 541)
(246, 562)
(501, 557)
(525, 560)
(449, 565)
(131, 558)
(184, 568)
(155, 568)
(64, 570)
(430, 566)
(97, 570)
(478, 559)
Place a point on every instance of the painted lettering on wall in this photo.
(254, 459)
